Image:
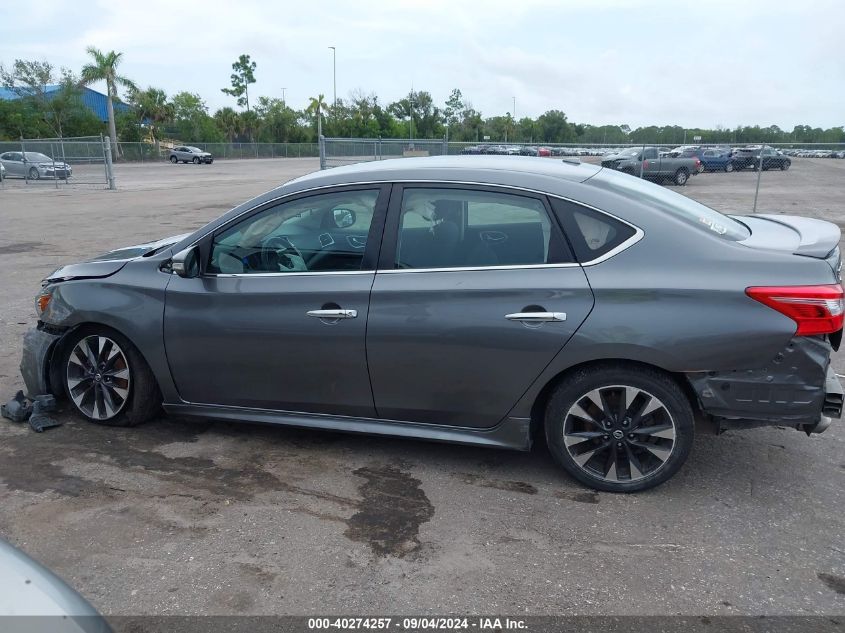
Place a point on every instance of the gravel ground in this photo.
(201, 517)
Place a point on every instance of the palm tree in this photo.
(316, 106)
(229, 122)
(104, 68)
(153, 108)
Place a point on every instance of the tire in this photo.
(729, 167)
(174, 160)
(33, 174)
(680, 178)
(196, 161)
(127, 394)
(784, 165)
(645, 459)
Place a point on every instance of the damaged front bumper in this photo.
(38, 345)
(798, 388)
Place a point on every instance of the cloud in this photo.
(600, 61)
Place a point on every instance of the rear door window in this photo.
(466, 228)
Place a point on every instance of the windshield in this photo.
(35, 157)
(194, 149)
(631, 151)
(671, 203)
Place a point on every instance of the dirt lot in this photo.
(180, 517)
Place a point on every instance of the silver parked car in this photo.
(462, 299)
(188, 154)
(34, 166)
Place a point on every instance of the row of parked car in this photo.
(815, 153)
(531, 150)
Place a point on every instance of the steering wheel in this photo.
(277, 253)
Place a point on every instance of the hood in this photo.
(109, 263)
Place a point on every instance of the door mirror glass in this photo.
(343, 218)
(186, 263)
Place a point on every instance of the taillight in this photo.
(645, 164)
(815, 309)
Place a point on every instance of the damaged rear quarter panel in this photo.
(790, 388)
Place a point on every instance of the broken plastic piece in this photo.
(48, 402)
(38, 421)
(17, 409)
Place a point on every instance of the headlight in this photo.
(43, 300)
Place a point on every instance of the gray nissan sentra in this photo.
(467, 299)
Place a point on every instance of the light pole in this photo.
(334, 75)
(283, 98)
(514, 108)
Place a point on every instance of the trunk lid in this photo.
(792, 233)
(795, 234)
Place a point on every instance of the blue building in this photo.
(93, 100)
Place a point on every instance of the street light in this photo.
(283, 98)
(334, 74)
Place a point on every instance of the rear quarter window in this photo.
(592, 234)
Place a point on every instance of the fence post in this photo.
(109, 167)
(26, 171)
(759, 173)
(322, 143)
(445, 145)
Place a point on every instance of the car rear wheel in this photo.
(618, 428)
(729, 167)
(107, 380)
(681, 177)
(33, 174)
(196, 161)
(174, 160)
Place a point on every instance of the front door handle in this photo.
(333, 314)
(536, 317)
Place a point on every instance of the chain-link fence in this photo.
(146, 152)
(54, 162)
(345, 151)
(732, 174)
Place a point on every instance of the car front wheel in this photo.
(33, 174)
(619, 429)
(729, 167)
(196, 161)
(784, 165)
(107, 379)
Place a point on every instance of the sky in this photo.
(637, 62)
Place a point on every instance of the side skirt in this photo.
(512, 433)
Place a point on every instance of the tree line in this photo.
(154, 115)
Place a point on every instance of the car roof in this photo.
(488, 169)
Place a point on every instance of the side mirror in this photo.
(186, 263)
(343, 218)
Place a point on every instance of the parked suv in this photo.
(189, 154)
(744, 157)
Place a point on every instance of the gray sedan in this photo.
(479, 300)
(34, 166)
(189, 154)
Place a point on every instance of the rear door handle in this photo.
(536, 317)
(333, 314)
